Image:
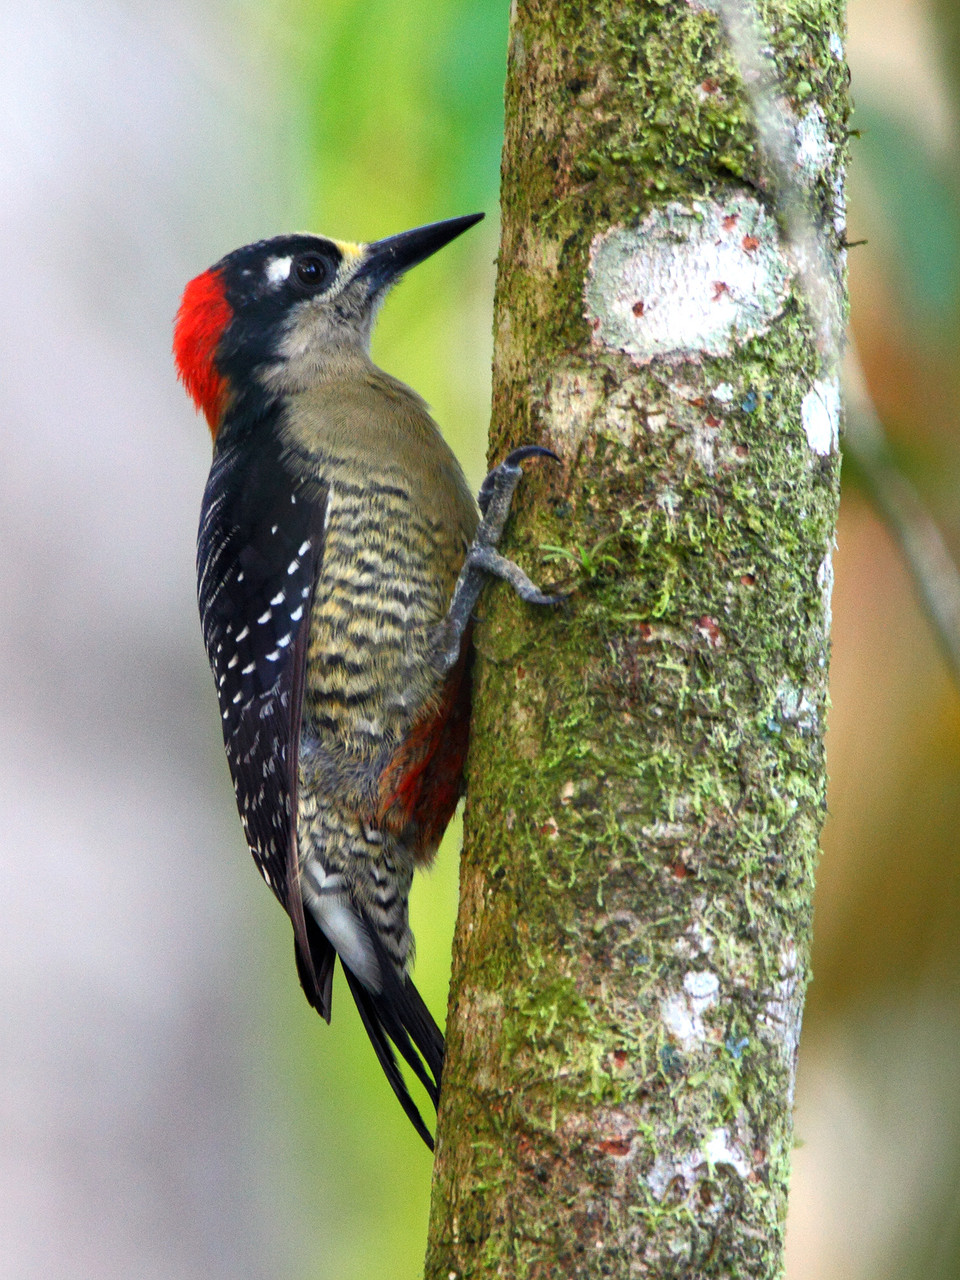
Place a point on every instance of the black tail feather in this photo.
(380, 1024)
(394, 1014)
(324, 958)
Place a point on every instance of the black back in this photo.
(258, 554)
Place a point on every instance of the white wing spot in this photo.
(278, 598)
(282, 644)
(297, 613)
(304, 547)
(248, 668)
(244, 633)
(265, 617)
(233, 662)
(273, 528)
(293, 566)
(274, 657)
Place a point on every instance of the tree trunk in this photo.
(646, 780)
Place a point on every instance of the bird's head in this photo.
(273, 316)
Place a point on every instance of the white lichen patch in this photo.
(702, 987)
(794, 707)
(691, 280)
(680, 1021)
(820, 415)
(836, 46)
(719, 1148)
(814, 148)
(724, 392)
(682, 1011)
(839, 204)
(825, 583)
(783, 1012)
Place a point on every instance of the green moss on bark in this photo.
(647, 779)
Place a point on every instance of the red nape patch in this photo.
(204, 314)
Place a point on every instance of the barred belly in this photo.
(386, 581)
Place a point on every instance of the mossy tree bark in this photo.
(647, 779)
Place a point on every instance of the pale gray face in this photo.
(324, 327)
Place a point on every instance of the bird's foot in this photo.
(483, 560)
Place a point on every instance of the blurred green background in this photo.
(170, 1107)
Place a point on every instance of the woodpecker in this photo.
(339, 559)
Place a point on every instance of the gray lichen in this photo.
(690, 280)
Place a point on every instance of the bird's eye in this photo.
(312, 271)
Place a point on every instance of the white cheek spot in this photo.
(278, 269)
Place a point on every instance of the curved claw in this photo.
(528, 451)
(506, 474)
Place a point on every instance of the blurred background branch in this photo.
(926, 556)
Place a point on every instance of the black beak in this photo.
(388, 259)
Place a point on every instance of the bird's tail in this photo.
(396, 1017)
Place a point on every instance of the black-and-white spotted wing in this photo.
(259, 551)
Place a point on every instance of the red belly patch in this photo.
(421, 785)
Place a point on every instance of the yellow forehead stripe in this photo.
(351, 252)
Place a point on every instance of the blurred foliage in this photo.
(918, 205)
(398, 107)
